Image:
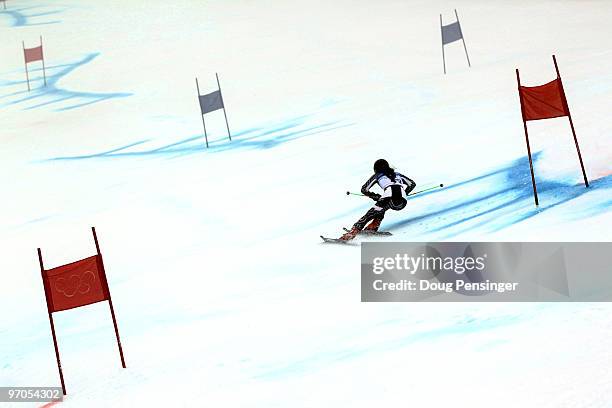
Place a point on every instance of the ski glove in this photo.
(374, 196)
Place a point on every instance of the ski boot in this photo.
(350, 234)
(373, 226)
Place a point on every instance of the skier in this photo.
(395, 188)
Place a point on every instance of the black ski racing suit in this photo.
(393, 197)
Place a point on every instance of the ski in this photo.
(336, 241)
(365, 232)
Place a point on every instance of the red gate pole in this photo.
(42, 54)
(569, 115)
(535, 190)
(48, 299)
(25, 58)
(110, 301)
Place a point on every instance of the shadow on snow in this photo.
(256, 138)
(52, 94)
(23, 16)
(501, 198)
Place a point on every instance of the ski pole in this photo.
(411, 194)
(426, 189)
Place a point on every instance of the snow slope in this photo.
(224, 294)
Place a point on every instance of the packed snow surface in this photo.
(224, 294)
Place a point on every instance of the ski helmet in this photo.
(381, 166)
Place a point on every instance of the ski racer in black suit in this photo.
(395, 188)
